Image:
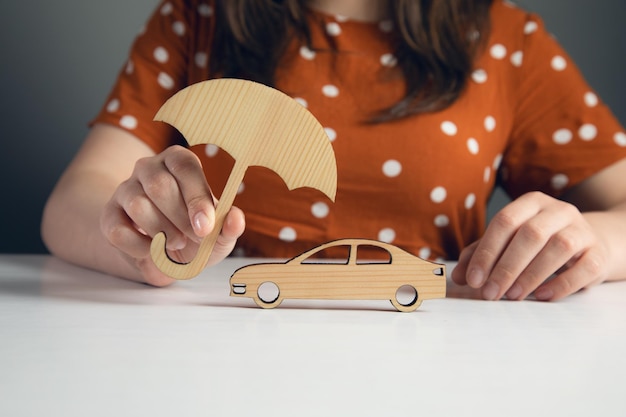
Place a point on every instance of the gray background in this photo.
(58, 60)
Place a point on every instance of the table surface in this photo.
(74, 342)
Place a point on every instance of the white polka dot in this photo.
(330, 132)
(320, 210)
(333, 29)
(473, 35)
(620, 138)
(530, 27)
(438, 195)
(179, 28)
(385, 26)
(591, 100)
(558, 63)
(128, 122)
(470, 200)
(588, 132)
(301, 102)
(167, 9)
(388, 60)
(449, 128)
(392, 168)
(472, 146)
(201, 59)
(130, 67)
(287, 234)
(113, 106)
(487, 174)
(562, 136)
(490, 123)
(166, 81)
(330, 90)
(341, 18)
(161, 55)
(424, 253)
(497, 51)
(307, 53)
(559, 181)
(205, 10)
(387, 235)
(509, 3)
(241, 189)
(497, 161)
(479, 76)
(517, 58)
(211, 150)
(442, 220)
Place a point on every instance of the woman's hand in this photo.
(529, 241)
(166, 193)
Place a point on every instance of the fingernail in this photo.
(514, 292)
(490, 290)
(475, 278)
(201, 222)
(544, 294)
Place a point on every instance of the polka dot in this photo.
(449, 128)
(161, 55)
(497, 51)
(442, 220)
(128, 122)
(559, 181)
(487, 174)
(287, 234)
(424, 253)
(201, 59)
(166, 9)
(620, 138)
(205, 10)
(591, 100)
(388, 60)
(562, 136)
(330, 90)
(113, 105)
(438, 195)
(387, 235)
(530, 27)
(341, 18)
(307, 53)
(473, 35)
(490, 123)
(385, 26)
(472, 146)
(211, 150)
(320, 210)
(588, 132)
(392, 168)
(333, 29)
(479, 76)
(166, 81)
(470, 200)
(179, 28)
(497, 161)
(330, 132)
(130, 67)
(558, 63)
(517, 58)
(301, 102)
(241, 189)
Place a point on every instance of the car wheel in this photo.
(406, 298)
(268, 295)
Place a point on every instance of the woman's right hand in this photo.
(167, 193)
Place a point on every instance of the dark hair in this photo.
(436, 42)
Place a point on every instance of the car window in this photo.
(370, 254)
(339, 254)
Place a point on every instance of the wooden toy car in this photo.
(402, 278)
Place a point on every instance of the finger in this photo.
(233, 227)
(459, 273)
(588, 270)
(195, 192)
(561, 248)
(550, 226)
(122, 233)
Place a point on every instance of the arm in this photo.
(537, 236)
(99, 213)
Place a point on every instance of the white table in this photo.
(78, 343)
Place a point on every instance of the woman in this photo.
(428, 104)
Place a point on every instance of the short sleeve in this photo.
(562, 132)
(158, 66)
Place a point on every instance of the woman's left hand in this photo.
(525, 244)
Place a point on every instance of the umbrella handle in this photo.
(191, 269)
